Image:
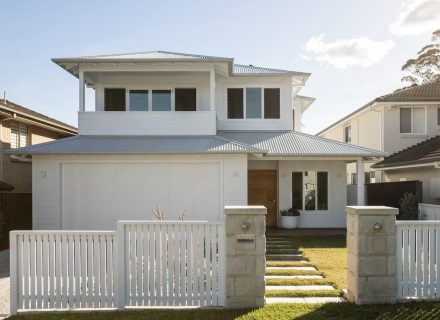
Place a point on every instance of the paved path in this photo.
(4, 284)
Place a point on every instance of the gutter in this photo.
(435, 164)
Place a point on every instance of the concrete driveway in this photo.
(4, 284)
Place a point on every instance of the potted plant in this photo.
(289, 218)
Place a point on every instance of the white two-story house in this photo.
(190, 134)
(391, 123)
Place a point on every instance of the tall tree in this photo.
(426, 67)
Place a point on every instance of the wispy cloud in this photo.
(417, 18)
(344, 53)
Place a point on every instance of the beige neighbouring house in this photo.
(389, 123)
(21, 127)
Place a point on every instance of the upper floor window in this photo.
(183, 99)
(253, 103)
(19, 135)
(114, 99)
(412, 120)
(347, 134)
(310, 190)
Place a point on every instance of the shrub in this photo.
(290, 213)
(408, 207)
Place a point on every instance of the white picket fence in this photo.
(418, 259)
(142, 264)
(429, 211)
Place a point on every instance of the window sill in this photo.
(413, 135)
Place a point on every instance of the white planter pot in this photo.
(289, 222)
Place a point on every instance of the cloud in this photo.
(344, 53)
(417, 18)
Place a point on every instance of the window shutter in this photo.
(14, 135)
(271, 103)
(235, 103)
(297, 192)
(114, 99)
(23, 136)
(185, 99)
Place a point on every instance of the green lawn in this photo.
(339, 311)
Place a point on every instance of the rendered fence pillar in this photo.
(245, 228)
(371, 246)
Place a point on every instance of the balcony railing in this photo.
(147, 123)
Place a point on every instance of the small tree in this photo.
(426, 66)
(408, 207)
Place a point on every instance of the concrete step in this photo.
(292, 268)
(294, 277)
(305, 300)
(284, 255)
(278, 246)
(300, 288)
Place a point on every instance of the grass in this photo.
(328, 254)
(293, 273)
(330, 311)
(288, 264)
(302, 293)
(299, 282)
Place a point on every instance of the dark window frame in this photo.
(321, 191)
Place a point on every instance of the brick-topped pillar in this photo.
(245, 228)
(371, 246)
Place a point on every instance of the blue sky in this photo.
(354, 49)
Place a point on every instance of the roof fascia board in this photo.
(38, 121)
(435, 164)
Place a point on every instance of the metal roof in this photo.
(297, 144)
(240, 69)
(137, 145)
(148, 55)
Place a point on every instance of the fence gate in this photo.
(142, 264)
(172, 263)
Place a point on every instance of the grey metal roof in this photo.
(297, 144)
(137, 145)
(148, 55)
(240, 69)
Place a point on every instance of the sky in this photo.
(353, 48)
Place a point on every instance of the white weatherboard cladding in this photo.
(92, 192)
(335, 216)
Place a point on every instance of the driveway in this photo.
(4, 284)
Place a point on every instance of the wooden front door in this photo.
(262, 190)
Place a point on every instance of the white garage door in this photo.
(96, 195)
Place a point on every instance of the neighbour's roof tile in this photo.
(16, 108)
(423, 152)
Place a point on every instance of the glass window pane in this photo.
(322, 191)
(253, 103)
(235, 103)
(23, 136)
(405, 120)
(310, 190)
(271, 103)
(347, 134)
(14, 135)
(161, 100)
(185, 99)
(297, 193)
(114, 99)
(419, 120)
(138, 100)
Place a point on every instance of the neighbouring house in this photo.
(190, 134)
(389, 123)
(419, 162)
(21, 127)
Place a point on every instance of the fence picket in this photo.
(165, 263)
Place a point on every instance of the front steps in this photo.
(290, 278)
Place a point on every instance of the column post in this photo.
(212, 89)
(245, 228)
(360, 182)
(81, 91)
(371, 254)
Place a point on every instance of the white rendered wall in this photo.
(48, 183)
(335, 216)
